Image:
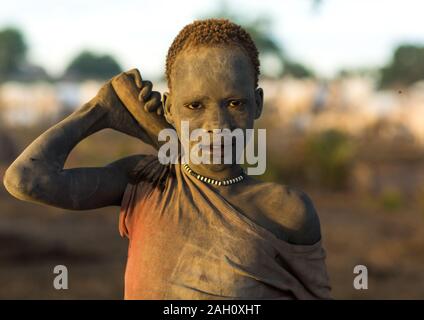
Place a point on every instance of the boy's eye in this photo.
(194, 105)
(235, 103)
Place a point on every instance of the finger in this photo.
(145, 91)
(140, 97)
(154, 102)
(151, 106)
(161, 109)
(135, 74)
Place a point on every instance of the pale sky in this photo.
(341, 34)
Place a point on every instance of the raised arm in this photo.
(37, 175)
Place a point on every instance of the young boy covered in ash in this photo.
(196, 231)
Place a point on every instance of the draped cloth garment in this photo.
(187, 242)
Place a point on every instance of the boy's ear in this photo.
(259, 97)
(166, 102)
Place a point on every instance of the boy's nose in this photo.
(218, 120)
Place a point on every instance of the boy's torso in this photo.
(273, 206)
(192, 242)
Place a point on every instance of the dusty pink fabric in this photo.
(187, 242)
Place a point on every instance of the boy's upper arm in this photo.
(84, 188)
(308, 229)
(297, 215)
(120, 171)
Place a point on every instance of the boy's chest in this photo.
(258, 209)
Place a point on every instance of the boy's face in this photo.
(213, 88)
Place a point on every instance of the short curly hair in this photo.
(212, 32)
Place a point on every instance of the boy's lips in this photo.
(215, 147)
(211, 149)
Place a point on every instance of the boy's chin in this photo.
(217, 167)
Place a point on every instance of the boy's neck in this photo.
(222, 172)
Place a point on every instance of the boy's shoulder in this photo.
(291, 208)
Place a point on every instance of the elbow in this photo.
(17, 181)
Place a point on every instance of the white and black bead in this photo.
(225, 182)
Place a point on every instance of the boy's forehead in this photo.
(211, 66)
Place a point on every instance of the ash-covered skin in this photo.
(38, 174)
(214, 88)
(222, 94)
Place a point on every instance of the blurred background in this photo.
(344, 112)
